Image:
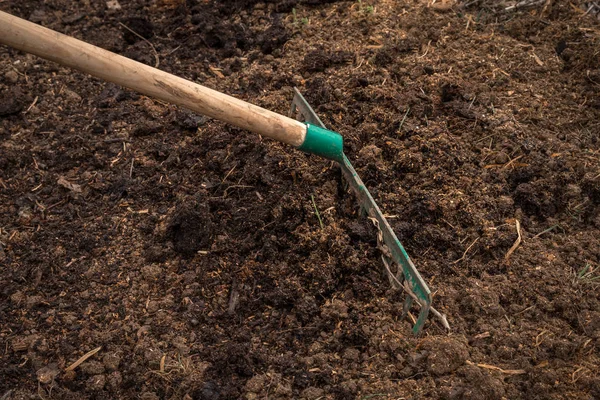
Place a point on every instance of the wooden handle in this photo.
(103, 64)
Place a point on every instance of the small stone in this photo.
(11, 76)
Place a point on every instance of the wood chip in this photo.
(20, 344)
(217, 72)
(537, 59)
(162, 363)
(482, 335)
(82, 359)
(62, 181)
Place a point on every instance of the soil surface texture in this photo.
(189, 257)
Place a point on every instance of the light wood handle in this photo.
(46, 43)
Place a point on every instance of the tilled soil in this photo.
(190, 252)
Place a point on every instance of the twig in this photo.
(316, 211)
(82, 359)
(517, 242)
(504, 371)
(472, 101)
(547, 6)
(466, 251)
(404, 119)
(592, 6)
(426, 51)
(157, 63)
(131, 168)
(32, 104)
(524, 4)
(546, 231)
(511, 161)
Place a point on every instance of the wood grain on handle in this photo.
(68, 51)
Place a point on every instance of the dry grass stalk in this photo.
(82, 359)
(466, 251)
(504, 371)
(517, 242)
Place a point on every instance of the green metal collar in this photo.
(324, 143)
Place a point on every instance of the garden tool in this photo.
(309, 136)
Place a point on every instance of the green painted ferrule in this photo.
(324, 143)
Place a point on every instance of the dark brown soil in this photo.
(190, 252)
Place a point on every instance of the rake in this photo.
(309, 136)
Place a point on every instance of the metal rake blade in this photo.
(393, 253)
